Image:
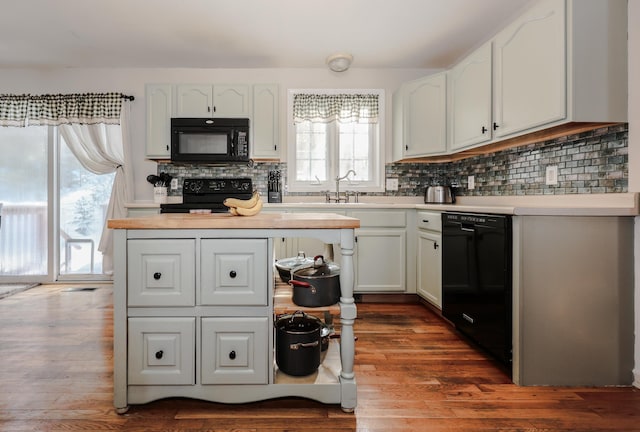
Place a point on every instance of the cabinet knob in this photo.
(233, 274)
(232, 355)
(495, 126)
(159, 354)
(484, 129)
(435, 245)
(157, 275)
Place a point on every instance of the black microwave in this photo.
(209, 140)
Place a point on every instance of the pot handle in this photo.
(299, 283)
(299, 345)
(303, 284)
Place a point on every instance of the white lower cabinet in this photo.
(381, 252)
(429, 257)
(161, 272)
(233, 272)
(161, 351)
(234, 350)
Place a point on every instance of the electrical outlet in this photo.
(551, 175)
(174, 184)
(471, 182)
(392, 184)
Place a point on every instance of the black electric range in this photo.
(209, 194)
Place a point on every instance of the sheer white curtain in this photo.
(102, 149)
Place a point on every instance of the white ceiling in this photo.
(245, 33)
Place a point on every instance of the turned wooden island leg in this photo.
(348, 314)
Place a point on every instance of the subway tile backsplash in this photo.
(595, 161)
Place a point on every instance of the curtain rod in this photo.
(129, 98)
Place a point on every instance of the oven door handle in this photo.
(463, 228)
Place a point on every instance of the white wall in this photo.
(634, 156)
(132, 82)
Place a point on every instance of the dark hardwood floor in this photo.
(413, 372)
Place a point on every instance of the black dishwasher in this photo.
(476, 279)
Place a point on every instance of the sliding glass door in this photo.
(52, 209)
(24, 216)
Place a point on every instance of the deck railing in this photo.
(23, 239)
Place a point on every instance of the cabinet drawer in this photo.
(430, 221)
(233, 272)
(234, 350)
(161, 351)
(161, 272)
(375, 219)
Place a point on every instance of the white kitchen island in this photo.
(194, 309)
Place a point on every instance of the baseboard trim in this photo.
(386, 298)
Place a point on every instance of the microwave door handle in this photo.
(234, 142)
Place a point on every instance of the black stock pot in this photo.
(316, 285)
(298, 343)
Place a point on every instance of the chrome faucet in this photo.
(337, 197)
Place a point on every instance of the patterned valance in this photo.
(362, 108)
(39, 110)
(13, 110)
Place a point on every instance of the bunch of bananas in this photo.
(248, 207)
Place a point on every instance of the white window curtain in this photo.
(103, 149)
(96, 129)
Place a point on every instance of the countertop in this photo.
(227, 221)
(614, 204)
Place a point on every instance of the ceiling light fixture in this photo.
(339, 62)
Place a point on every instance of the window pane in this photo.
(84, 197)
(311, 152)
(23, 194)
(355, 147)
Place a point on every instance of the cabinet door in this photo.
(235, 350)
(265, 126)
(530, 70)
(380, 258)
(425, 116)
(161, 272)
(430, 267)
(161, 351)
(194, 100)
(471, 100)
(231, 100)
(233, 272)
(159, 104)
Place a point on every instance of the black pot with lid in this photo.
(316, 285)
(298, 343)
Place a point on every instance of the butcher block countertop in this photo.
(229, 221)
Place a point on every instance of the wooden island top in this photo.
(229, 221)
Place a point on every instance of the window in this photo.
(332, 132)
(36, 157)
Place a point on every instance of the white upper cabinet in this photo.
(470, 98)
(159, 103)
(164, 101)
(265, 125)
(530, 70)
(561, 61)
(220, 100)
(423, 106)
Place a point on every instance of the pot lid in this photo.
(293, 262)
